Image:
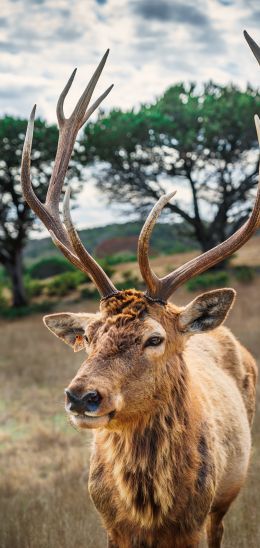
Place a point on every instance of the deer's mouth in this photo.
(88, 420)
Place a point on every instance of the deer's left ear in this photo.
(69, 327)
(207, 311)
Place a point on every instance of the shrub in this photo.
(109, 270)
(3, 276)
(244, 274)
(119, 258)
(3, 301)
(88, 293)
(11, 313)
(130, 281)
(61, 285)
(33, 288)
(208, 280)
(45, 268)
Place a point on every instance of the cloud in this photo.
(16, 92)
(68, 33)
(3, 22)
(226, 2)
(166, 10)
(153, 45)
(9, 47)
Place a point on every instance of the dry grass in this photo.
(44, 462)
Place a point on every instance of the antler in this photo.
(66, 237)
(253, 45)
(161, 288)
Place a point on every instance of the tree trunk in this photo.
(14, 270)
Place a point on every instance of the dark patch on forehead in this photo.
(130, 304)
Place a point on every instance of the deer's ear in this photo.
(207, 311)
(69, 327)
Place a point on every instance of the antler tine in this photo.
(63, 95)
(29, 195)
(83, 101)
(167, 285)
(103, 283)
(69, 128)
(96, 104)
(27, 188)
(253, 46)
(153, 283)
(68, 242)
(67, 252)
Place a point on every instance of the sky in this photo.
(153, 44)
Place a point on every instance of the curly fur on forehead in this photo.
(130, 304)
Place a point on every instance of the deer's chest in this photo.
(143, 500)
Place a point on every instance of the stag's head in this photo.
(136, 339)
(132, 345)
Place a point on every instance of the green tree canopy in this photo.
(200, 136)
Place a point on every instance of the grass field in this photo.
(44, 462)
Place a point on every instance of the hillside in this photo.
(166, 239)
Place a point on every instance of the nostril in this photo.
(92, 400)
(71, 396)
(92, 397)
(89, 401)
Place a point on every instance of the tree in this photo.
(16, 218)
(200, 137)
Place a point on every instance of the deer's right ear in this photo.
(69, 327)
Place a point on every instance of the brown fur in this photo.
(176, 451)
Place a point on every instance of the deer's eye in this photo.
(154, 341)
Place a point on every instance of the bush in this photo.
(61, 285)
(45, 268)
(11, 313)
(130, 281)
(88, 293)
(119, 258)
(109, 270)
(4, 280)
(208, 280)
(33, 288)
(244, 274)
(3, 301)
(54, 266)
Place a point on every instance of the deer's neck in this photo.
(158, 463)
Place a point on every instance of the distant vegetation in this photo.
(244, 273)
(209, 280)
(166, 239)
(46, 267)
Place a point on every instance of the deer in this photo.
(168, 391)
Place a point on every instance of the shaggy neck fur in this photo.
(157, 465)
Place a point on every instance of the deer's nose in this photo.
(90, 401)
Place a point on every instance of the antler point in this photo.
(33, 112)
(171, 194)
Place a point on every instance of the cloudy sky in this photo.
(153, 43)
